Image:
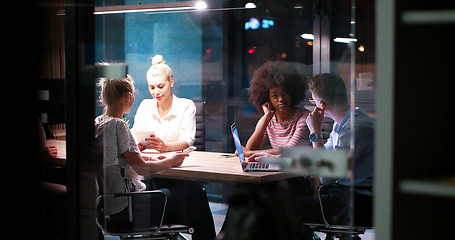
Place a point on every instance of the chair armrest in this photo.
(147, 207)
(139, 193)
(369, 188)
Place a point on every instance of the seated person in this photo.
(330, 96)
(276, 89)
(122, 163)
(52, 195)
(172, 119)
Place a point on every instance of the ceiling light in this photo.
(250, 5)
(345, 40)
(201, 5)
(308, 36)
(361, 48)
(151, 7)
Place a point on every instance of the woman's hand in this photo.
(246, 152)
(157, 144)
(177, 158)
(268, 109)
(52, 151)
(147, 158)
(255, 157)
(141, 147)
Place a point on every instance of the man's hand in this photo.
(315, 119)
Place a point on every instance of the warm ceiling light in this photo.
(361, 48)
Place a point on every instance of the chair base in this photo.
(341, 236)
(338, 231)
(166, 232)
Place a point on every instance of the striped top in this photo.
(294, 132)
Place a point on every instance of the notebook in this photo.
(250, 166)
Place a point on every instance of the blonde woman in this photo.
(171, 118)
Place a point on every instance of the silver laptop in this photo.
(250, 166)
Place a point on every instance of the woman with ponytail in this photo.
(172, 119)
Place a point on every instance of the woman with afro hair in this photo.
(276, 89)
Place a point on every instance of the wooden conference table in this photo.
(200, 166)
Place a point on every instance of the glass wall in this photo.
(215, 51)
(219, 48)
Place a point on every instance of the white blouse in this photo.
(178, 125)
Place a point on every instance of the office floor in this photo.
(219, 211)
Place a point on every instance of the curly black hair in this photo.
(274, 74)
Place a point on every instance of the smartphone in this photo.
(189, 149)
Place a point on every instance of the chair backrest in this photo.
(362, 222)
(200, 125)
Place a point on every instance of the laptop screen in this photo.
(238, 145)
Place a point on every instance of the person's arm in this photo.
(187, 133)
(188, 130)
(255, 157)
(272, 151)
(143, 167)
(256, 140)
(161, 146)
(188, 127)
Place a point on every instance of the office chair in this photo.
(147, 203)
(199, 142)
(342, 232)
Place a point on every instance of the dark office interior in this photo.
(396, 62)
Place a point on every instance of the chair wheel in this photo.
(345, 236)
(173, 237)
(356, 237)
(330, 236)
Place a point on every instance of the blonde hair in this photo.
(113, 89)
(159, 67)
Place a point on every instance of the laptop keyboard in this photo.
(258, 165)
